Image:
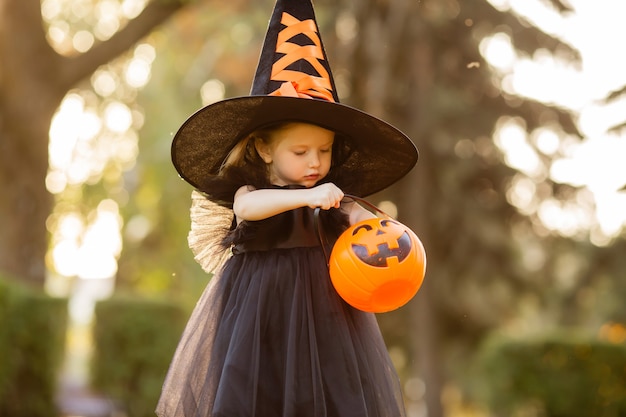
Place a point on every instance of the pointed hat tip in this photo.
(293, 60)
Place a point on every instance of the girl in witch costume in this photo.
(270, 337)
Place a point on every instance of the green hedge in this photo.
(32, 339)
(556, 376)
(5, 363)
(134, 343)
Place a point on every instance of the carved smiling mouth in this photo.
(379, 258)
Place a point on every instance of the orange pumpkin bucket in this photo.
(377, 265)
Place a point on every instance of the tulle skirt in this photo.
(271, 338)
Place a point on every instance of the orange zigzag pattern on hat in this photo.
(300, 84)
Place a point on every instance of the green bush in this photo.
(556, 376)
(32, 339)
(134, 343)
(5, 362)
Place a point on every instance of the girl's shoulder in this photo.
(244, 189)
(222, 188)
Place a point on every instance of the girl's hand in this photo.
(325, 196)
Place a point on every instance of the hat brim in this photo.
(380, 153)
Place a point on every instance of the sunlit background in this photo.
(596, 163)
(93, 136)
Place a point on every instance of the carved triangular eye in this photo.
(360, 228)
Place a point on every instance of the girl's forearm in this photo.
(261, 204)
(251, 204)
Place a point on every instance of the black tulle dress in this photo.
(270, 337)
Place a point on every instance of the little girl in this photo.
(270, 337)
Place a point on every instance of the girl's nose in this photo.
(314, 161)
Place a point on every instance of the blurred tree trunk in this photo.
(34, 78)
(28, 98)
(414, 207)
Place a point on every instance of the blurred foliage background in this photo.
(91, 92)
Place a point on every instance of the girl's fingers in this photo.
(328, 196)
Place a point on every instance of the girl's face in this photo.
(297, 154)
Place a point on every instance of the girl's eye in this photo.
(325, 150)
(299, 153)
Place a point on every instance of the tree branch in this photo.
(616, 94)
(559, 5)
(74, 69)
(524, 36)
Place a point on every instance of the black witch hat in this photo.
(294, 83)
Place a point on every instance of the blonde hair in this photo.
(244, 152)
(236, 155)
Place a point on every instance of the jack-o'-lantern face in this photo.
(376, 245)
